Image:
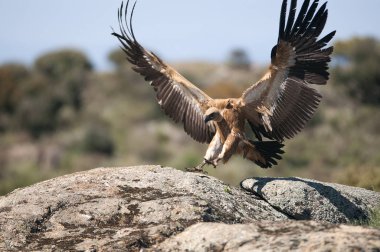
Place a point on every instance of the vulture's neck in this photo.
(223, 129)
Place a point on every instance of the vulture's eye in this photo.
(229, 105)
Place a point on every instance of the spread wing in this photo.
(179, 98)
(282, 102)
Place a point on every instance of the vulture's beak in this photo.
(208, 118)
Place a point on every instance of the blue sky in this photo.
(176, 30)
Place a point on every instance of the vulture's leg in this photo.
(212, 153)
(229, 148)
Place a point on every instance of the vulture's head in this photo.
(213, 114)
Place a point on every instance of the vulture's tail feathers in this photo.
(264, 154)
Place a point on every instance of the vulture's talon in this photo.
(210, 163)
(196, 169)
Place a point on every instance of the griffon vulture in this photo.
(276, 107)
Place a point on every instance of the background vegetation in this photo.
(60, 116)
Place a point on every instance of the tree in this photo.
(56, 83)
(12, 77)
(118, 58)
(239, 59)
(60, 63)
(357, 68)
(66, 71)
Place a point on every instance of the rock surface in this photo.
(126, 209)
(273, 236)
(120, 208)
(306, 199)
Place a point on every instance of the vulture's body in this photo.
(276, 107)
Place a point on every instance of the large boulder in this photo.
(126, 209)
(306, 199)
(273, 236)
(120, 208)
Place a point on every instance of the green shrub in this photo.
(98, 139)
(357, 68)
(374, 220)
(38, 115)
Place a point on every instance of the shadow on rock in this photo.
(305, 199)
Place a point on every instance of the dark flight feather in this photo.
(305, 62)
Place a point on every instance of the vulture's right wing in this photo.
(179, 98)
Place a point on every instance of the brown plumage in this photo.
(276, 107)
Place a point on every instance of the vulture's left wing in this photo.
(280, 104)
(179, 98)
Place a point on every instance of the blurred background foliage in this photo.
(358, 64)
(60, 116)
